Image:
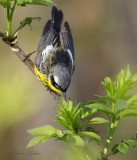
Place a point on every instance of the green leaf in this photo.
(37, 140)
(109, 86)
(70, 105)
(46, 133)
(97, 120)
(132, 142)
(35, 2)
(77, 141)
(128, 112)
(115, 149)
(118, 88)
(4, 3)
(123, 75)
(121, 104)
(91, 134)
(47, 130)
(68, 115)
(132, 100)
(87, 112)
(27, 21)
(100, 107)
(72, 138)
(134, 78)
(106, 99)
(124, 81)
(123, 148)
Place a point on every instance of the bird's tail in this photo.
(57, 17)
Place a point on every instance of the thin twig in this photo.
(25, 58)
(18, 51)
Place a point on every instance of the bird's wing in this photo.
(50, 38)
(67, 43)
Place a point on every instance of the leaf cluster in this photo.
(116, 102)
(7, 3)
(76, 129)
(78, 119)
(9, 7)
(124, 145)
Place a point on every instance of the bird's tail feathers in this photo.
(57, 17)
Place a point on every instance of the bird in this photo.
(54, 63)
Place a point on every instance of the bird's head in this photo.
(59, 80)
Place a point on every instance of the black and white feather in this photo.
(56, 48)
(53, 37)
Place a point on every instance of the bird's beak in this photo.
(57, 96)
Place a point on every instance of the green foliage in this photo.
(97, 120)
(43, 134)
(9, 7)
(121, 85)
(69, 116)
(124, 145)
(79, 119)
(27, 21)
(4, 3)
(116, 103)
(34, 2)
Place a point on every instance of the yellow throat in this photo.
(46, 82)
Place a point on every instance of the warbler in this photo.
(54, 63)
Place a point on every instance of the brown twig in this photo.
(18, 51)
(25, 58)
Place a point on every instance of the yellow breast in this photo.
(43, 78)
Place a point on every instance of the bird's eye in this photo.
(54, 83)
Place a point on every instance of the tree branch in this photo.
(18, 51)
(25, 58)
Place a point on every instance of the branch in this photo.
(18, 51)
(25, 58)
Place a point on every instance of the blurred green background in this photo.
(105, 39)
